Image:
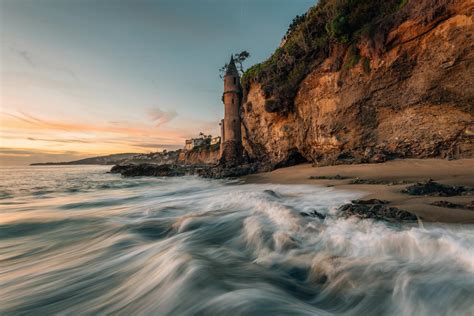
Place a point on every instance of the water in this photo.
(75, 240)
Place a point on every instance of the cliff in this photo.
(204, 155)
(208, 155)
(365, 81)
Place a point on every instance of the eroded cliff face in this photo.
(413, 100)
(206, 156)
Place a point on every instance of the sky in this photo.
(81, 78)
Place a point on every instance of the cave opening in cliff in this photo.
(294, 158)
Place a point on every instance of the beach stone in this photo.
(432, 188)
(314, 213)
(272, 193)
(336, 177)
(373, 181)
(446, 204)
(470, 205)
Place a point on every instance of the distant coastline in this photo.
(99, 160)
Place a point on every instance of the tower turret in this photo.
(232, 96)
(231, 136)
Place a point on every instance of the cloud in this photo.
(15, 151)
(30, 138)
(160, 117)
(35, 61)
(60, 140)
(31, 151)
(22, 156)
(26, 56)
(43, 124)
(118, 123)
(165, 146)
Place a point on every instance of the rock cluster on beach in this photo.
(375, 209)
(447, 204)
(146, 169)
(175, 170)
(431, 188)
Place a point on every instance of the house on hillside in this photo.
(194, 142)
(216, 140)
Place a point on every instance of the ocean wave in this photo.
(190, 246)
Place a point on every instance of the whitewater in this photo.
(79, 241)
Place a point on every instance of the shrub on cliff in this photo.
(310, 39)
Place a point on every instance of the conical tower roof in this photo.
(231, 68)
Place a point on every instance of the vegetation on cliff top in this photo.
(310, 39)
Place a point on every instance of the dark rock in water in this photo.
(145, 169)
(218, 171)
(313, 214)
(336, 177)
(370, 201)
(432, 188)
(377, 211)
(272, 193)
(172, 170)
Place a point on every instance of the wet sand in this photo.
(408, 171)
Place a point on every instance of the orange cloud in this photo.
(56, 139)
(161, 117)
(29, 122)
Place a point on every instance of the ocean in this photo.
(75, 240)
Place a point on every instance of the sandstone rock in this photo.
(208, 155)
(416, 101)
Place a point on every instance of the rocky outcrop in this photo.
(232, 154)
(208, 155)
(146, 169)
(413, 98)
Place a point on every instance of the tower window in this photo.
(233, 101)
(235, 80)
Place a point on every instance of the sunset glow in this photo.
(75, 85)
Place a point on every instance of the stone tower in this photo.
(231, 153)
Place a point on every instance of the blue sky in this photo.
(83, 77)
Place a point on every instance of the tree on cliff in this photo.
(239, 59)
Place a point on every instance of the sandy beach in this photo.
(395, 175)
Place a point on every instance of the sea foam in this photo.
(102, 244)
